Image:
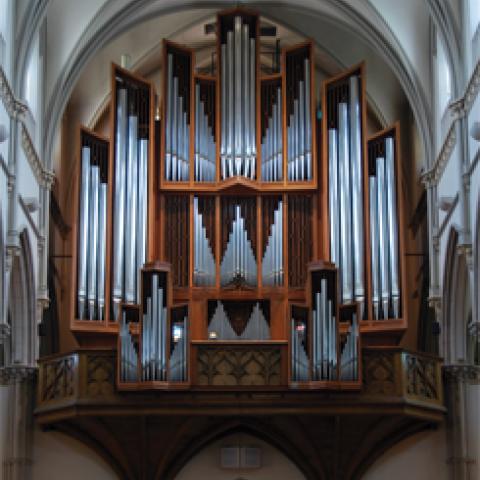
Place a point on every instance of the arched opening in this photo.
(240, 455)
(21, 308)
(457, 302)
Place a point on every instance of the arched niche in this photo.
(21, 308)
(457, 306)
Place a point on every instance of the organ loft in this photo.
(238, 255)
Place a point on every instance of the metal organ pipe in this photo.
(383, 221)
(374, 250)
(299, 130)
(130, 201)
(357, 192)
(333, 197)
(177, 128)
(346, 193)
(272, 263)
(324, 336)
(392, 225)
(238, 149)
(131, 211)
(102, 246)
(238, 263)
(93, 240)
(345, 205)
(204, 262)
(154, 335)
(256, 327)
(205, 149)
(91, 237)
(272, 144)
(83, 234)
(119, 200)
(383, 236)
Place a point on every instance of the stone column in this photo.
(18, 385)
(462, 395)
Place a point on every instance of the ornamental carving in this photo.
(379, 373)
(58, 379)
(238, 366)
(422, 377)
(100, 375)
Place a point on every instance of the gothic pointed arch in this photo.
(21, 307)
(457, 312)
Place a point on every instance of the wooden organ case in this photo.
(252, 238)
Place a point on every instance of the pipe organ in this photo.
(251, 212)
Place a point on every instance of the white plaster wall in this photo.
(421, 457)
(206, 464)
(58, 457)
(408, 20)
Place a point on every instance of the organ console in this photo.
(257, 215)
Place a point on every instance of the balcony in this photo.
(241, 387)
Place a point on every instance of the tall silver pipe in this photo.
(345, 205)
(168, 123)
(383, 236)
(175, 130)
(119, 200)
(231, 94)
(180, 158)
(93, 241)
(142, 217)
(154, 331)
(160, 340)
(279, 135)
(253, 118)
(245, 106)
(301, 130)
(374, 234)
(131, 210)
(197, 133)
(294, 140)
(223, 141)
(322, 312)
(308, 121)
(83, 233)
(238, 94)
(357, 193)
(333, 197)
(102, 245)
(392, 225)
